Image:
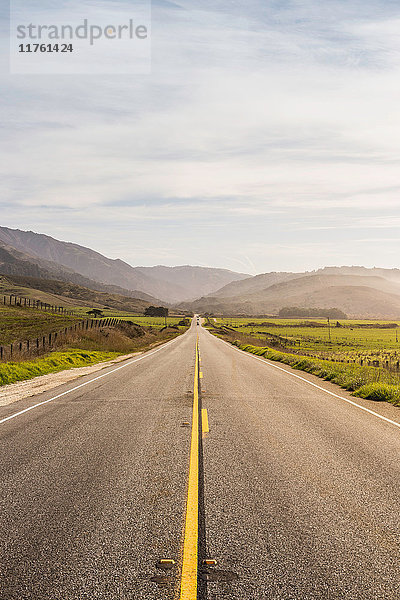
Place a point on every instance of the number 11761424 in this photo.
(45, 48)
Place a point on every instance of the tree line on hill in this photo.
(295, 311)
(156, 311)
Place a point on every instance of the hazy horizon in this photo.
(264, 139)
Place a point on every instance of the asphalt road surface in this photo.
(298, 496)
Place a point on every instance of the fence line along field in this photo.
(35, 342)
(363, 341)
(21, 323)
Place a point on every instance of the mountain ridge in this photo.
(170, 284)
(369, 296)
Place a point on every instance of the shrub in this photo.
(381, 392)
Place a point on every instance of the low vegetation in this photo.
(78, 346)
(360, 356)
(20, 323)
(295, 311)
(12, 372)
(366, 382)
(341, 340)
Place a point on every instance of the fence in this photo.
(272, 341)
(50, 340)
(13, 300)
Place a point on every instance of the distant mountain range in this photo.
(357, 291)
(14, 262)
(26, 253)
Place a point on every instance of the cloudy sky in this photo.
(266, 137)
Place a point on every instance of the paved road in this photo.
(302, 490)
(299, 490)
(93, 484)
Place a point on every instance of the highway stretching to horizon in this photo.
(120, 485)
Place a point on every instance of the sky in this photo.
(265, 138)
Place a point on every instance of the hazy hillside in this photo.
(62, 293)
(171, 284)
(253, 284)
(356, 290)
(16, 263)
(390, 274)
(193, 282)
(79, 259)
(368, 296)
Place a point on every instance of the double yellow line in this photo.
(190, 544)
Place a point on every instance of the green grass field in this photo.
(354, 340)
(19, 323)
(157, 322)
(371, 383)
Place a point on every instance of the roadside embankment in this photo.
(365, 382)
(83, 350)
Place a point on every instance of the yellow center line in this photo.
(190, 543)
(204, 421)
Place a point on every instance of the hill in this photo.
(253, 284)
(62, 293)
(192, 282)
(16, 263)
(171, 284)
(357, 295)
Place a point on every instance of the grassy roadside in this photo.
(88, 348)
(11, 372)
(365, 382)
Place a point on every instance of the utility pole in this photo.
(329, 330)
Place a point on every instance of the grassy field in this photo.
(156, 322)
(360, 356)
(354, 340)
(77, 346)
(19, 323)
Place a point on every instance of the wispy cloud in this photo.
(259, 121)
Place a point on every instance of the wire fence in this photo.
(13, 300)
(47, 341)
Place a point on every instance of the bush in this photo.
(381, 392)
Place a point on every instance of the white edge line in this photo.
(267, 362)
(21, 412)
